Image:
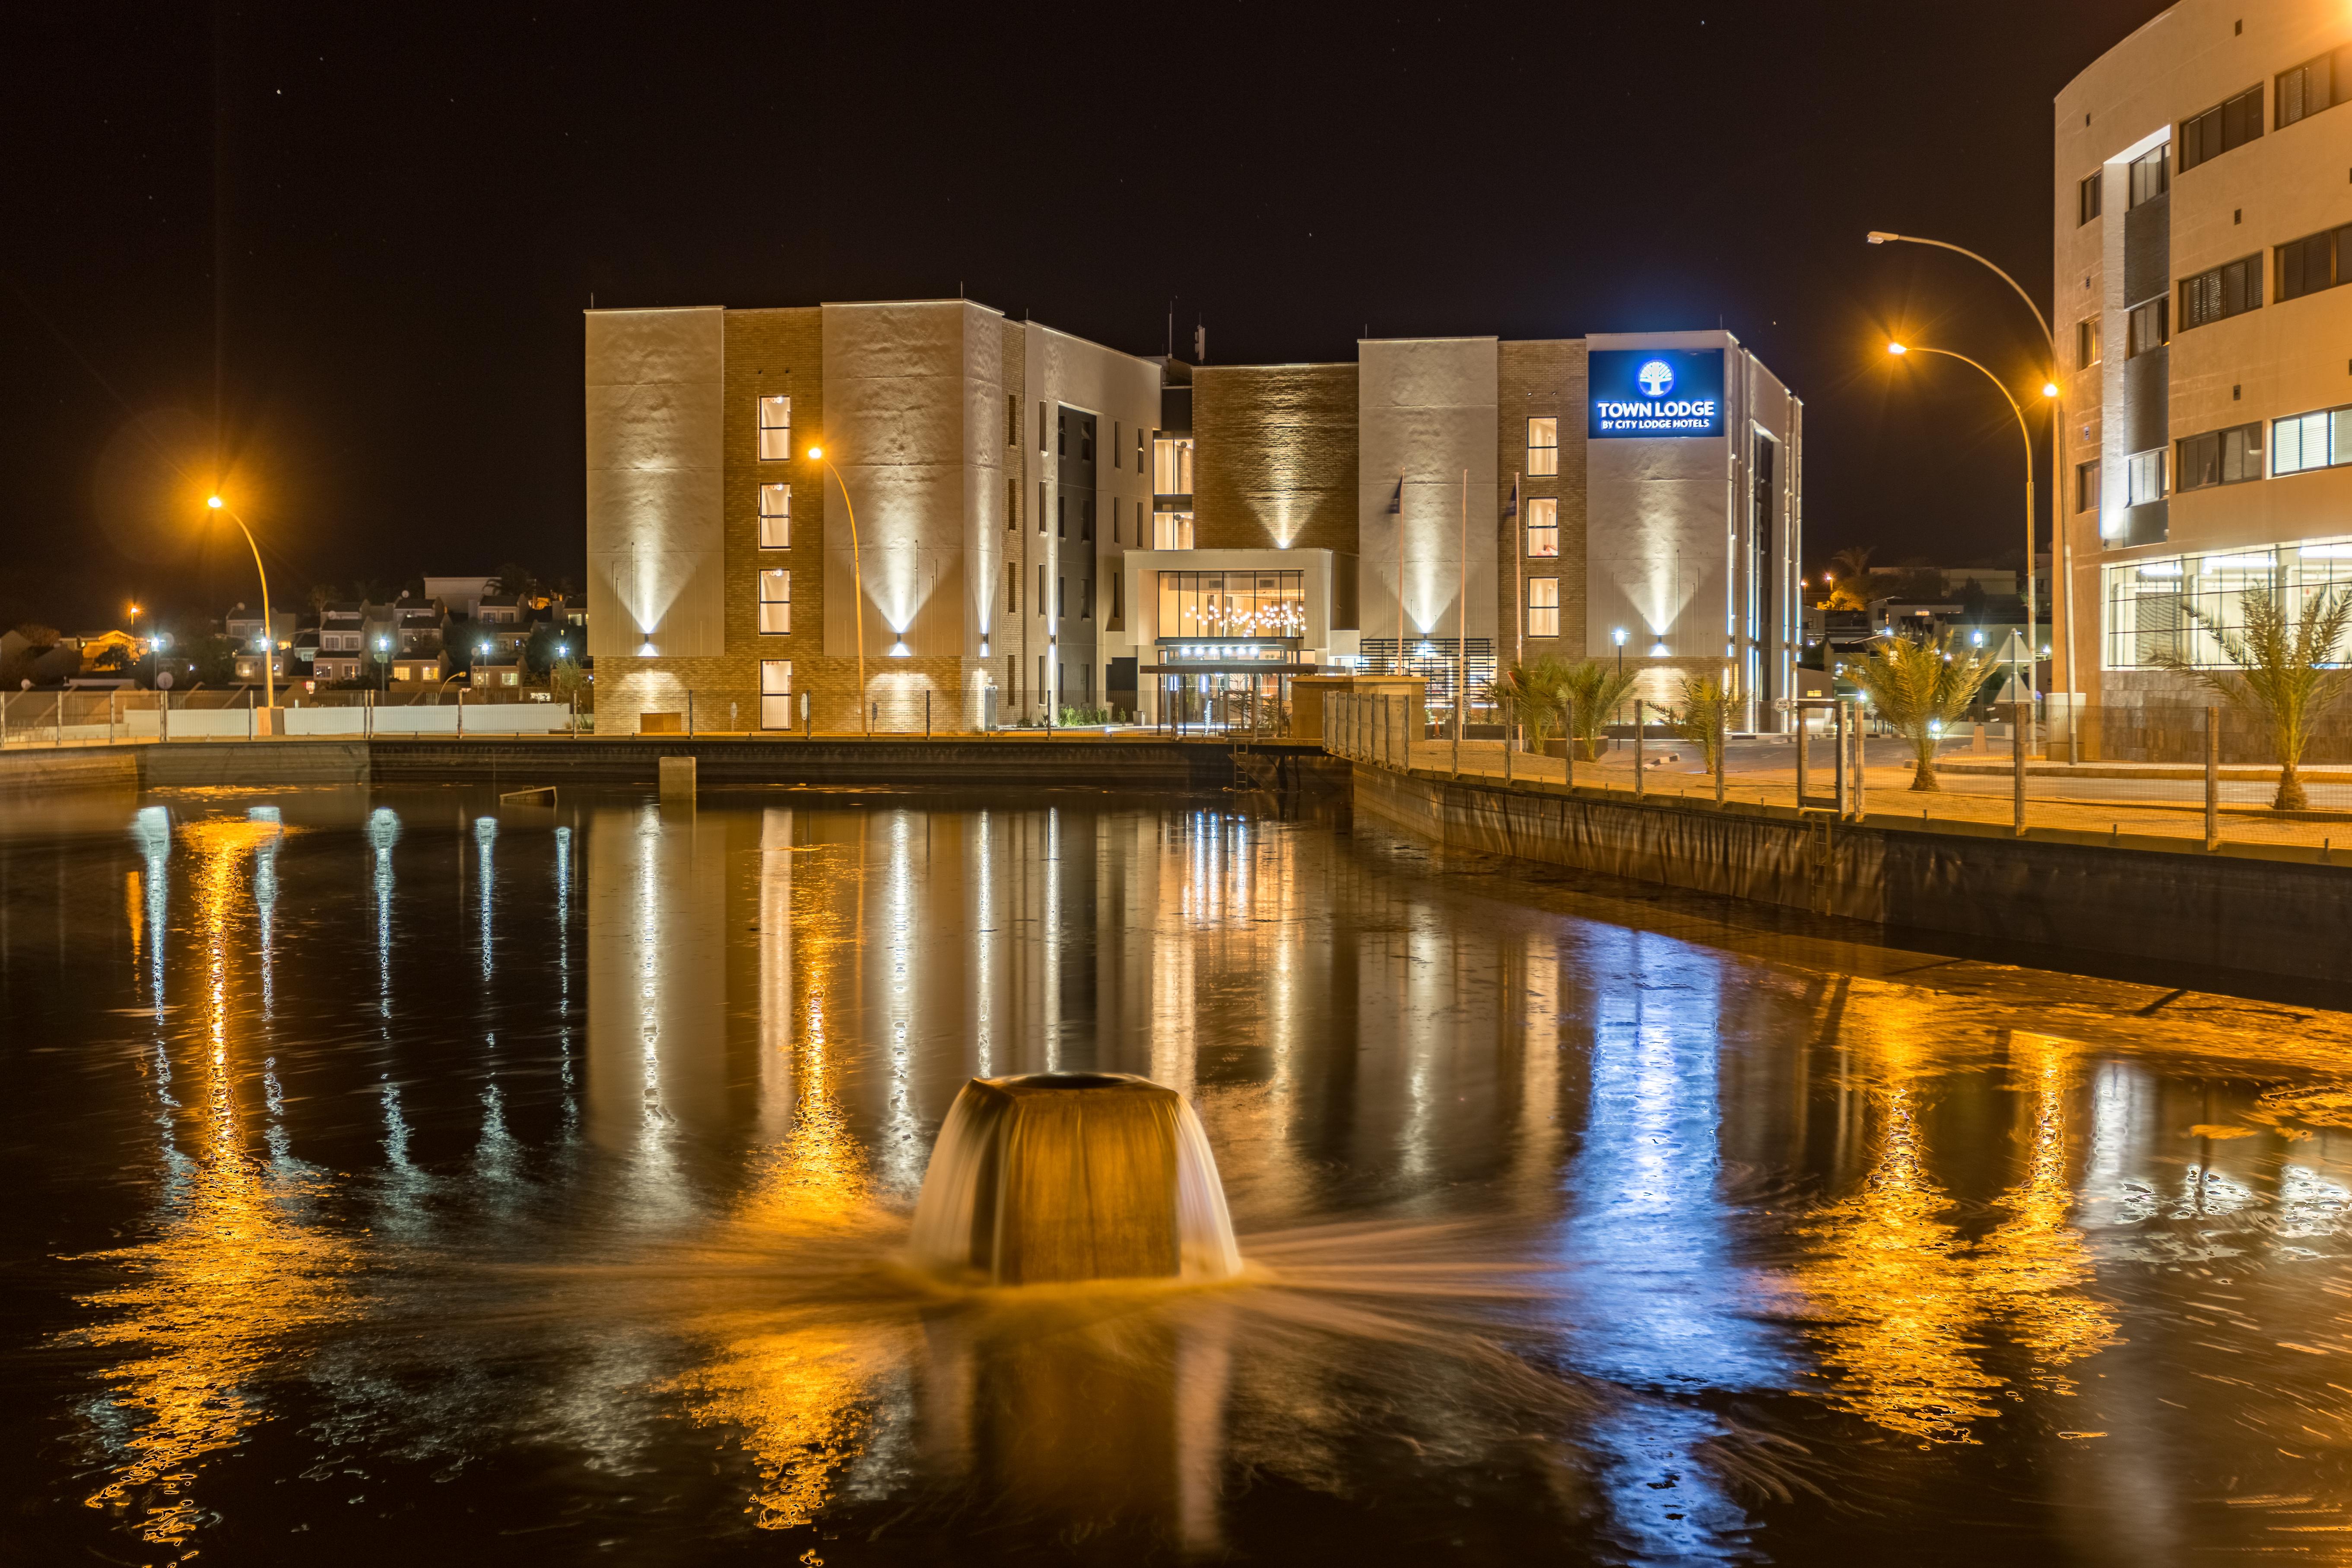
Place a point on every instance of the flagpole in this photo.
(1462, 632)
(1519, 592)
(1400, 571)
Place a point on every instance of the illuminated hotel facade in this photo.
(1039, 519)
(2203, 222)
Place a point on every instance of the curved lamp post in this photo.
(269, 628)
(2050, 391)
(2061, 545)
(858, 571)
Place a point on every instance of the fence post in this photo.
(1638, 786)
(1509, 710)
(461, 712)
(689, 715)
(248, 709)
(1803, 778)
(1568, 747)
(2212, 779)
(1840, 764)
(110, 716)
(926, 713)
(2019, 713)
(1860, 761)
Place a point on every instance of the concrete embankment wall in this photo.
(2261, 911)
(516, 761)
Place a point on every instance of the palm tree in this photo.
(2281, 678)
(1916, 685)
(1705, 718)
(1850, 568)
(1533, 690)
(1591, 689)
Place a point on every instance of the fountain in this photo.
(1068, 1177)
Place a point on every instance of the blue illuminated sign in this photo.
(1654, 392)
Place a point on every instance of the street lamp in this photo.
(858, 572)
(268, 632)
(2061, 545)
(1618, 637)
(2050, 392)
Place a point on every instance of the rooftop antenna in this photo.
(1199, 343)
(1171, 326)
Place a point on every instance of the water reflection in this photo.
(238, 1268)
(1577, 1228)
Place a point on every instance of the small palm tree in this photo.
(1532, 690)
(1918, 686)
(2281, 675)
(1591, 689)
(1705, 720)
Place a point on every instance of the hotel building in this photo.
(1037, 519)
(2204, 220)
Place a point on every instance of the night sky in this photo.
(371, 231)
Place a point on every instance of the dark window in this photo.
(2227, 125)
(1115, 459)
(1040, 424)
(1086, 598)
(1061, 434)
(2316, 261)
(1012, 589)
(1041, 505)
(1117, 595)
(1061, 517)
(1086, 518)
(2229, 456)
(2087, 485)
(1086, 440)
(2089, 195)
(1040, 588)
(2151, 176)
(1061, 598)
(2219, 292)
(2151, 328)
(1012, 420)
(2313, 86)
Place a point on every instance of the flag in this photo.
(1512, 511)
(1396, 501)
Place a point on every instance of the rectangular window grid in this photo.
(2224, 128)
(2149, 602)
(775, 694)
(775, 517)
(2230, 457)
(1543, 525)
(1543, 447)
(2220, 292)
(776, 428)
(775, 603)
(1543, 607)
(2307, 441)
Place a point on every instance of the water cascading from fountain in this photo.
(1050, 1178)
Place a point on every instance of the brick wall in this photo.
(1275, 460)
(1537, 380)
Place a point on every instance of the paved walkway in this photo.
(2169, 806)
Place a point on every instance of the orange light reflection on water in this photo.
(211, 1304)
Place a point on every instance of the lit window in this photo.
(1172, 530)
(2088, 197)
(2151, 175)
(775, 694)
(775, 603)
(775, 517)
(1171, 473)
(2086, 342)
(2151, 327)
(1543, 447)
(1543, 607)
(2087, 485)
(2143, 478)
(776, 428)
(1543, 525)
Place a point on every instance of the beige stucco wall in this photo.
(656, 564)
(1426, 413)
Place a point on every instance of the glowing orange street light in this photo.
(858, 571)
(269, 630)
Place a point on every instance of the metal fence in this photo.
(2207, 776)
(124, 716)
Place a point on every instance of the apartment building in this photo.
(1039, 522)
(2203, 189)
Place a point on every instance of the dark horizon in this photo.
(381, 235)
